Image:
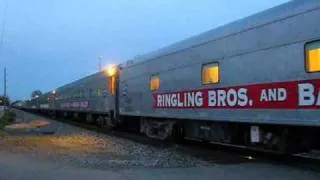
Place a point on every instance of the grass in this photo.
(7, 118)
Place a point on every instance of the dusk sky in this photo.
(47, 44)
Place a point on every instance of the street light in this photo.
(110, 70)
(100, 62)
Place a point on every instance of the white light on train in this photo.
(110, 70)
(54, 92)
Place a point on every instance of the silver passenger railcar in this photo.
(91, 99)
(245, 83)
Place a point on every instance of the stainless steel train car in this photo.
(253, 83)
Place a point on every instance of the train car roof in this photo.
(82, 80)
(277, 13)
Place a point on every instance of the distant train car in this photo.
(252, 83)
(90, 98)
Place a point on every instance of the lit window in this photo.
(313, 57)
(210, 73)
(154, 83)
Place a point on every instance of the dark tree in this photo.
(36, 94)
(4, 101)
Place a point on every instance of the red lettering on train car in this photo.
(75, 104)
(279, 95)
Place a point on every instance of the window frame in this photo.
(208, 64)
(306, 56)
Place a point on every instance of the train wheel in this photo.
(105, 123)
(99, 121)
(75, 116)
(89, 118)
(178, 133)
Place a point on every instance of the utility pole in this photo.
(5, 83)
(5, 90)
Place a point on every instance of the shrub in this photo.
(7, 118)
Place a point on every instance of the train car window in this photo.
(154, 83)
(99, 92)
(312, 61)
(104, 93)
(82, 93)
(210, 73)
(90, 92)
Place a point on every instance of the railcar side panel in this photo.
(89, 94)
(268, 54)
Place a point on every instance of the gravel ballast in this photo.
(75, 146)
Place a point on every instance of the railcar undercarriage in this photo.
(260, 137)
(157, 129)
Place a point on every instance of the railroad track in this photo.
(315, 155)
(309, 161)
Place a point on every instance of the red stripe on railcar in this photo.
(281, 95)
